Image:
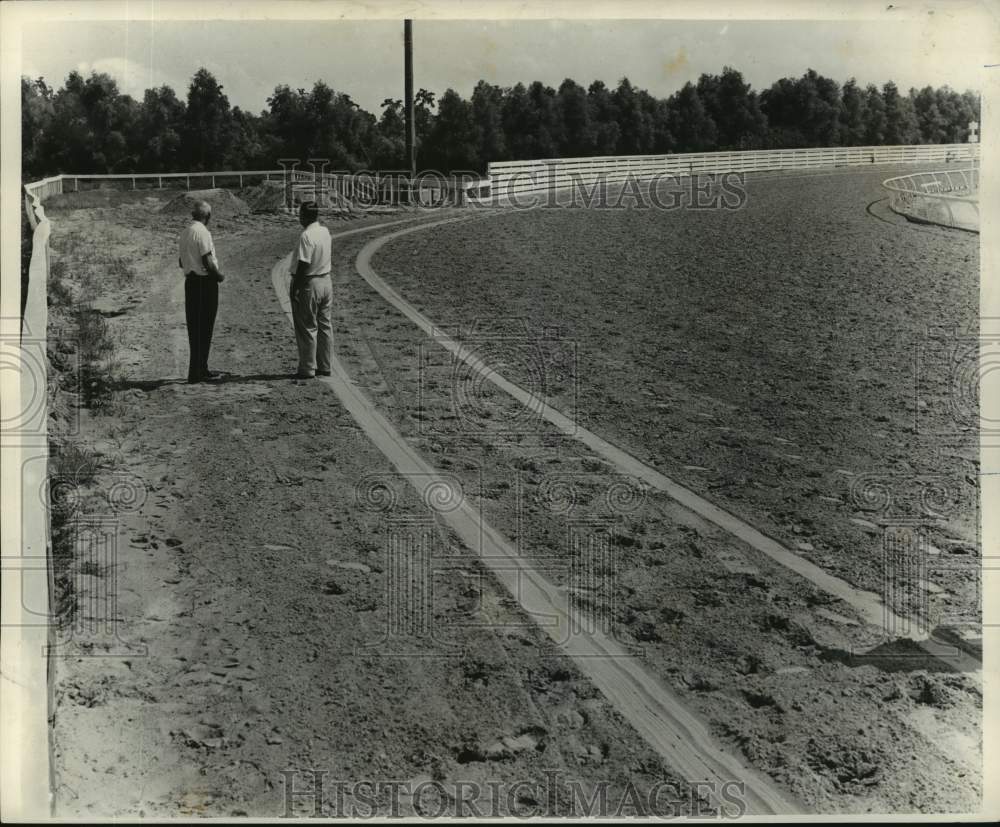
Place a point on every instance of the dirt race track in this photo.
(275, 629)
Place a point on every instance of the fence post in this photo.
(159, 182)
(133, 182)
(187, 179)
(213, 182)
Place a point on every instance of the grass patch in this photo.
(97, 358)
(76, 279)
(60, 294)
(69, 460)
(120, 270)
(93, 337)
(71, 469)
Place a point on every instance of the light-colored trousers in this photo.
(311, 308)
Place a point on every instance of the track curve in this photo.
(650, 706)
(868, 604)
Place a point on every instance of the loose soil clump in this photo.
(224, 203)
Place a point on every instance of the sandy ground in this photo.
(250, 575)
(256, 578)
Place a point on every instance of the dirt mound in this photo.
(270, 197)
(224, 203)
(267, 196)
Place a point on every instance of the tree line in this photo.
(89, 126)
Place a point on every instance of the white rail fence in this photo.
(513, 178)
(59, 184)
(26, 581)
(946, 197)
(364, 189)
(506, 179)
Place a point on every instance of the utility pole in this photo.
(411, 127)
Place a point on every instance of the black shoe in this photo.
(205, 376)
(323, 373)
(304, 376)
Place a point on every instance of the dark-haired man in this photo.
(312, 295)
(201, 290)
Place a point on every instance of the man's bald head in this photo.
(201, 211)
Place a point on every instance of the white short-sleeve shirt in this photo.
(195, 241)
(315, 248)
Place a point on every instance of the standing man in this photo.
(312, 295)
(201, 290)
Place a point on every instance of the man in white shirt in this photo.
(312, 295)
(201, 290)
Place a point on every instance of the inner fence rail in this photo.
(510, 178)
(949, 198)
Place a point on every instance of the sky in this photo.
(364, 57)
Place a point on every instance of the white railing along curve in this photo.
(365, 188)
(509, 179)
(946, 197)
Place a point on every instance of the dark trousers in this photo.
(201, 303)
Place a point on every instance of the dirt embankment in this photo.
(224, 203)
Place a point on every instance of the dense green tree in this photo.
(634, 120)
(92, 126)
(389, 149)
(37, 112)
(487, 116)
(161, 124)
(734, 109)
(958, 111)
(547, 123)
(605, 118)
(875, 120)
(208, 123)
(578, 132)
(453, 136)
(781, 104)
(853, 114)
(247, 149)
(424, 104)
(693, 128)
(87, 125)
(804, 112)
(901, 125)
(932, 125)
(663, 136)
(518, 117)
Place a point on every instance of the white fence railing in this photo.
(26, 607)
(511, 178)
(946, 197)
(71, 183)
(363, 188)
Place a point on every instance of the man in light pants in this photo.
(311, 293)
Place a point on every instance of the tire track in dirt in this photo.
(651, 707)
(868, 604)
